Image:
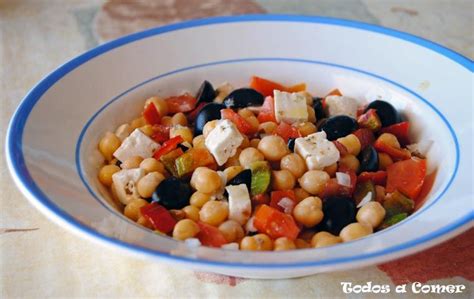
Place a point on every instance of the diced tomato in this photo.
(267, 111)
(210, 235)
(161, 133)
(377, 177)
(277, 196)
(393, 152)
(159, 217)
(168, 146)
(182, 103)
(400, 131)
(333, 188)
(151, 115)
(193, 114)
(366, 137)
(266, 87)
(275, 223)
(341, 148)
(334, 92)
(243, 126)
(287, 131)
(406, 176)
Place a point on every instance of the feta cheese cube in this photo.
(223, 141)
(240, 206)
(137, 144)
(341, 105)
(125, 184)
(317, 151)
(290, 107)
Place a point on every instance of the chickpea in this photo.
(384, 161)
(253, 122)
(323, 239)
(294, 164)
(245, 112)
(309, 211)
(147, 184)
(179, 119)
(351, 143)
(198, 199)
(254, 142)
(208, 127)
(379, 193)
(350, 162)
(308, 97)
(355, 231)
(234, 160)
(283, 243)
(160, 105)
(205, 180)
(137, 123)
(273, 147)
(185, 229)
(282, 180)
(232, 231)
(300, 194)
(245, 142)
(166, 120)
(114, 161)
(257, 242)
(389, 139)
(249, 155)
(301, 244)
(311, 114)
(152, 165)
(147, 130)
(105, 174)
(331, 169)
(184, 132)
(372, 213)
(132, 209)
(199, 141)
(132, 162)
(267, 127)
(191, 212)
(307, 128)
(232, 171)
(314, 181)
(214, 212)
(108, 145)
(123, 131)
(178, 214)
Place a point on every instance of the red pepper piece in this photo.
(407, 177)
(400, 130)
(275, 223)
(159, 217)
(266, 87)
(168, 146)
(267, 111)
(193, 114)
(277, 196)
(287, 131)
(161, 133)
(377, 177)
(151, 115)
(366, 137)
(393, 152)
(243, 126)
(341, 148)
(182, 103)
(210, 235)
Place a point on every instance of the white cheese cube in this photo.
(317, 151)
(125, 184)
(223, 141)
(341, 105)
(137, 144)
(290, 107)
(240, 206)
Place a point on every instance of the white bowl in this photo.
(52, 139)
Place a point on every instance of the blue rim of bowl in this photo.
(16, 162)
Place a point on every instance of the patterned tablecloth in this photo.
(39, 259)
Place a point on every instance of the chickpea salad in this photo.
(264, 167)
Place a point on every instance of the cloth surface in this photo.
(39, 259)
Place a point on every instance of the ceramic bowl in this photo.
(52, 139)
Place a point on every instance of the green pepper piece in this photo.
(184, 164)
(168, 161)
(261, 175)
(392, 220)
(397, 203)
(362, 189)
